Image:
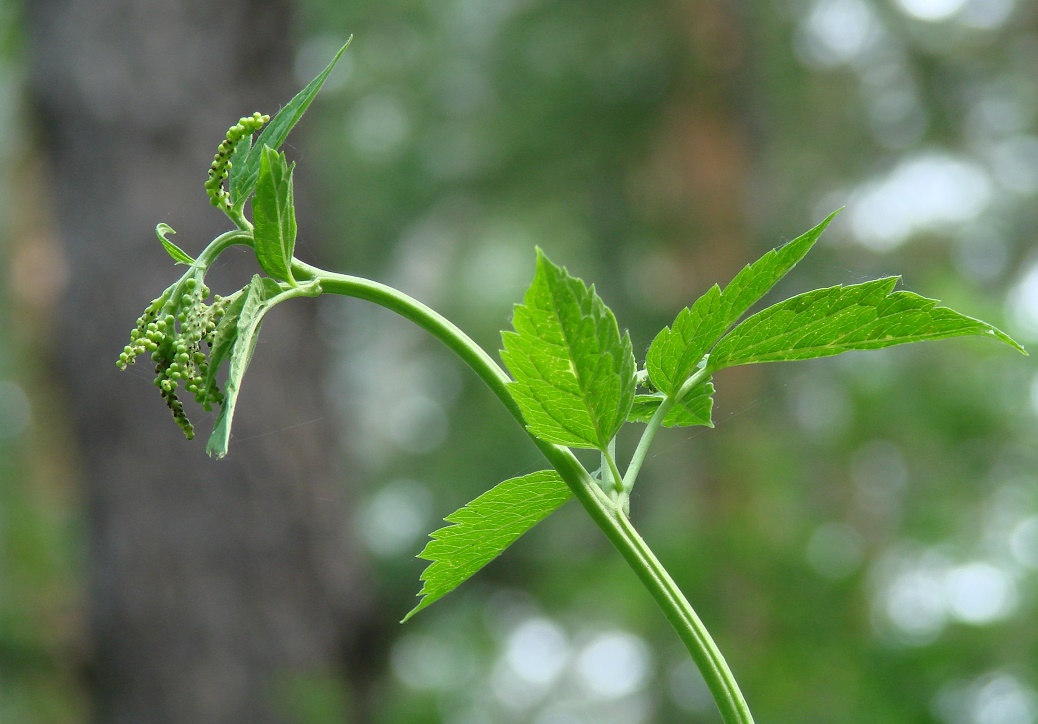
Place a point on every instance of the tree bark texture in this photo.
(216, 587)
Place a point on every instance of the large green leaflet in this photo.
(829, 321)
(484, 528)
(274, 216)
(574, 373)
(677, 349)
(245, 161)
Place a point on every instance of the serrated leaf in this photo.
(757, 279)
(838, 319)
(178, 254)
(574, 373)
(243, 180)
(254, 305)
(677, 349)
(484, 528)
(693, 409)
(274, 215)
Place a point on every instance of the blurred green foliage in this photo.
(40, 585)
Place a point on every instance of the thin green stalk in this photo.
(222, 242)
(655, 422)
(604, 512)
(614, 472)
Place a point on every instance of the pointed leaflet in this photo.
(484, 528)
(677, 349)
(574, 373)
(829, 321)
(243, 175)
(274, 216)
(178, 254)
(693, 409)
(254, 304)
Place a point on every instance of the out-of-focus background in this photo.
(860, 534)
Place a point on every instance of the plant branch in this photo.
(221, 243)
(603, 511)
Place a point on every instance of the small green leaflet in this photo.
(574, 373)
(693, 409)
(274, 216)
(677, 349)
(829, 321)
(225, 335)
(243, 175)
(178, 254)
(484, 528)
(255, 302)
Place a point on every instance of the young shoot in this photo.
(570, 376)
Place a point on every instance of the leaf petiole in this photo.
(654, 424)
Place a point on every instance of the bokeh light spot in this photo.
(393, 519)
(930, 10)
(979, 593)
(614, 664)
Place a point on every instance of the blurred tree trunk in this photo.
(221, 592)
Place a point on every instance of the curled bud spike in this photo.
(218, 172)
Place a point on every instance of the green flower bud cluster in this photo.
(246, 126)
(172, 330)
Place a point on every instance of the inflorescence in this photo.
(174, 326)
(172, 330)
(219, 170)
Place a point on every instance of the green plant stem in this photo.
(653, 426)
(603, 511)
(614, 472)
(222, 242)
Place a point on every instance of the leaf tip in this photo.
(412, 612)
(1005, 338)
(176, 253)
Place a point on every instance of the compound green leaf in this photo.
(574, 373)
(693, 409)
(484, 528)
(255, 303)
(274, 215)
(178, 254)
(677, 349)
(243, 176)
(829, 321)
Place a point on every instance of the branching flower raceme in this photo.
(572, 380)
